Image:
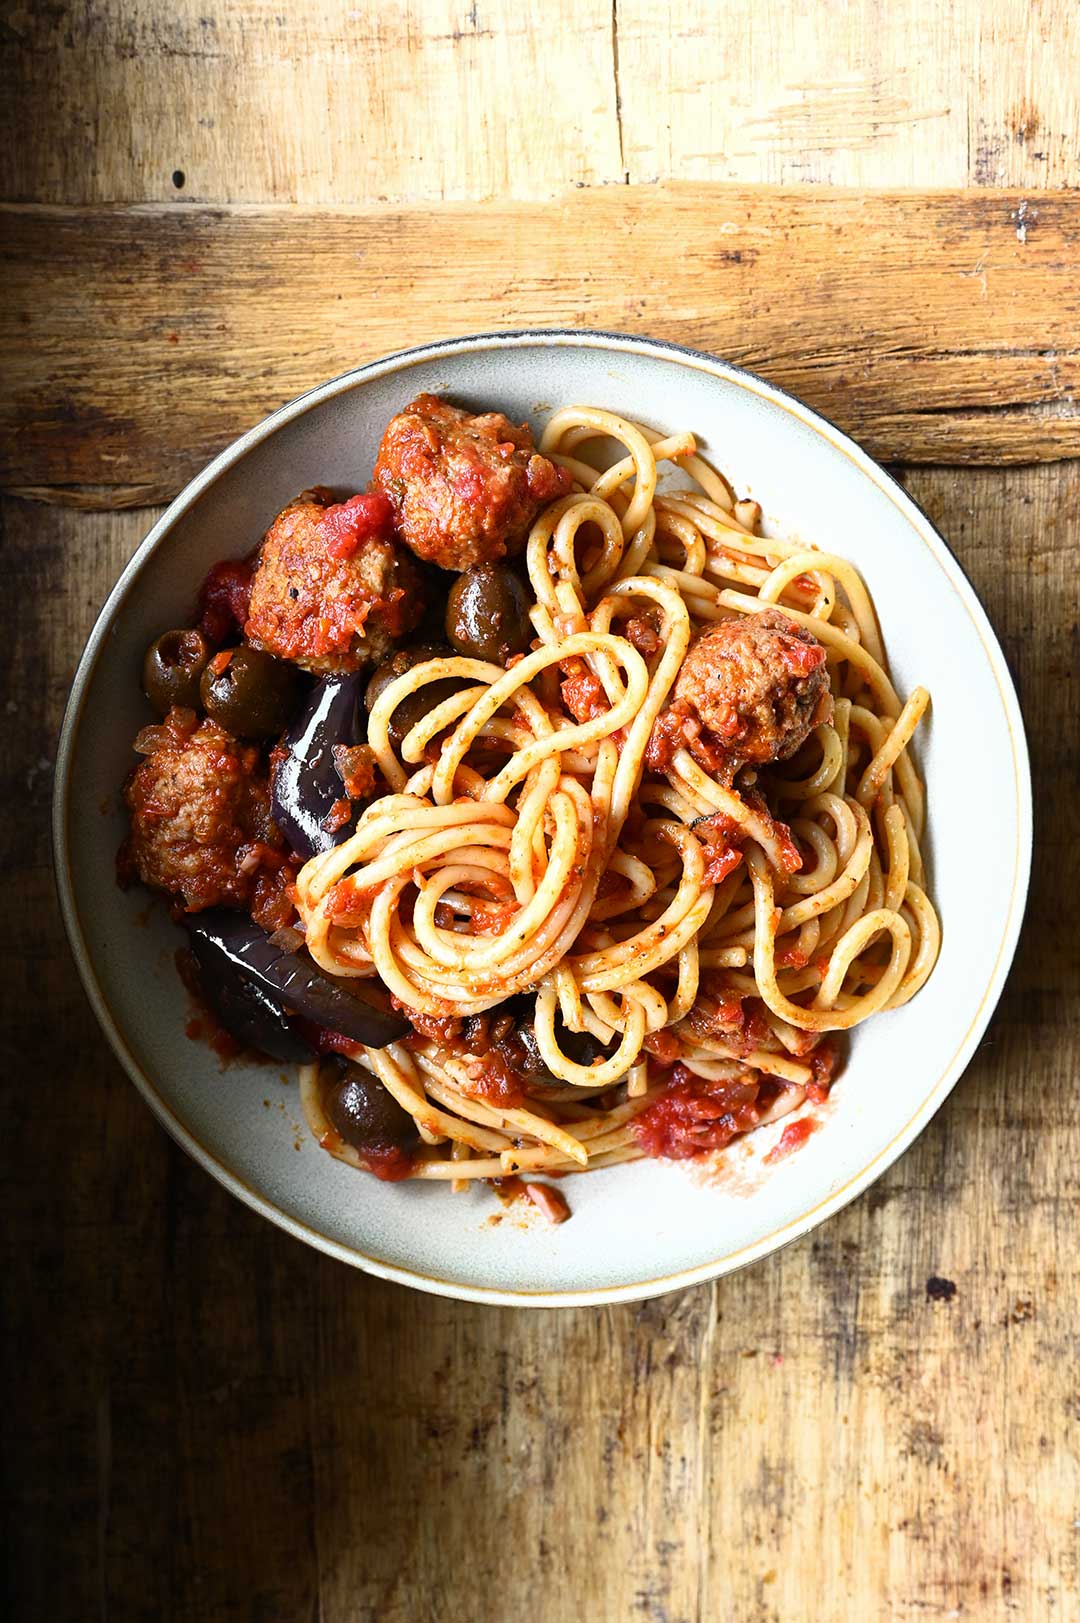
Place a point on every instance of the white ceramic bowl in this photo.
(649, 1227)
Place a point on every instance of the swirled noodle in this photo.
(523, 848)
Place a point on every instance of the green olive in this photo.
(172, 668)
(487, 614)
(416, 706)
(253, 695)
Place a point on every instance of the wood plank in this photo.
(325, 103)
(861, 94)
(135, 1360)
(204, 1419)
(937, 327)
(406, 102)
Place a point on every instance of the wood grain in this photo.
(417, 100)
(964, 94)
(206, 1420)
(407, 99)
(937, 327)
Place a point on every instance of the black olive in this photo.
(522, 1054)
(416, 706)
(435, 587)
(253, 696)
(402, 660)
(581, 1046)
(172, 668)
(367, 1116)
(487, 614)
(521, 1051)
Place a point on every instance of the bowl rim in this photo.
(403, 360)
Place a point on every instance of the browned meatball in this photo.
(331, 588)
(750, 690)
(465, 489)
(200, 817)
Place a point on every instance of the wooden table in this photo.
(219, 206)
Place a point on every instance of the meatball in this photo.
(464, 489)
(200, 816)
(750, 690)
(331, 588)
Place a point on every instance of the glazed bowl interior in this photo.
(649, 1226)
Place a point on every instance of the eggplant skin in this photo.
(234, 956)
(306, 785)
(248, 1013)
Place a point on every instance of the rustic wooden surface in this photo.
(434, 99)
(169, 330)
(206, 1420)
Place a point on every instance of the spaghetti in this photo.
(549, 832)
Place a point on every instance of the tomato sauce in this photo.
(642, 634)
(550, 1202)
(494, 920)
(824, 1062)
(330, 1042)
(388, 1162)
(798, 657)
(723, 1013)
(546, 480)
(583, 692)
(790, 856)
(355, 766)
(495, 1082)
(664, 740)
(441, 1029)
(273, 900)
(695, 1115)
(202, 1024)
(664, 1047)
(347, 525)
(793, 1138)
(720, 860)
(223, 599)
(338, 815)
(350, 902)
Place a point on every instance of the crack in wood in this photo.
(618, 89)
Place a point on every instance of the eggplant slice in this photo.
(247, 976)
(306, 785)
